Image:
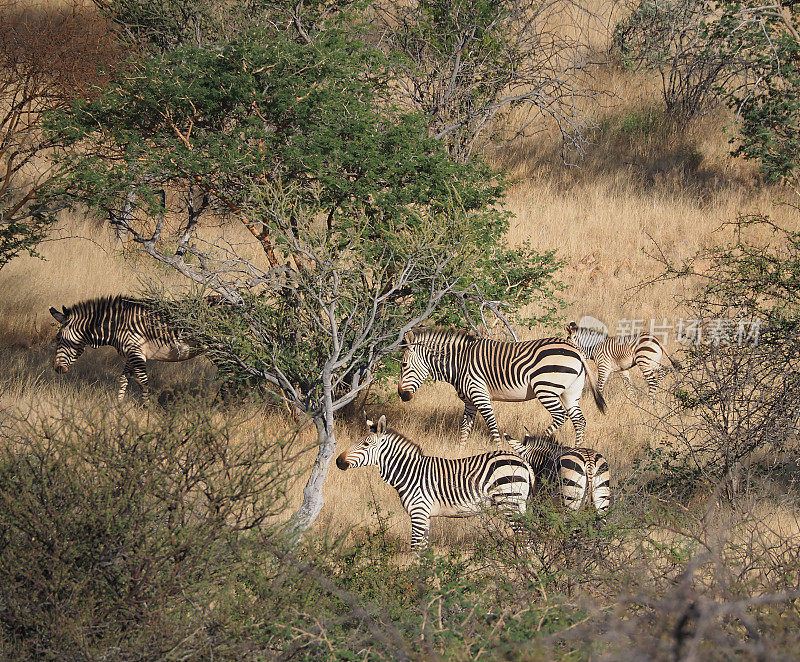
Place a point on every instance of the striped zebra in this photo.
(431, 486)
(621, 353)
(574, 470)
(552, 370)
(129, 326)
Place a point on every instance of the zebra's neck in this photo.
(540, 452)
(397, 459)
(443, 355)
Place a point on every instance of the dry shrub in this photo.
(116, 524)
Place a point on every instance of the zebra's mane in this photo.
(540, 442)
(92, 306)
(443, 334)
(394, 435)
(589, 333)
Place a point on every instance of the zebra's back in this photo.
(463, 486)
(509, 369)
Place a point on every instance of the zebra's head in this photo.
(367, 451)
(531, 443)
(414, 369)
(585, 337)
(71, 340)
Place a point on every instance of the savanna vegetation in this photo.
(296, 185)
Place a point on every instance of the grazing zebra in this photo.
(439, 487)
(551, 369)
(128, 325)
(621, 353)
(575, 470)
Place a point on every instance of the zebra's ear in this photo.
(60, 317)
(571, 327)
(408, 338)
(381, 424)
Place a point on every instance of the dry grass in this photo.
(633, 193)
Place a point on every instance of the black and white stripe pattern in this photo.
(551, 369)
(575, 471)
(621, 353)
(126, 324)
(431, 486)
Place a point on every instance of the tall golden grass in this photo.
(635, 191)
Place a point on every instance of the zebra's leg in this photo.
(468, 421)
(653, 377)
(578, 422)
(137, 369)
(481, 401)
(570, 400)
(552, 403)
(420, 528)
(626, 376)
(603, 372)
(123, 382)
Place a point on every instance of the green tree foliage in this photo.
(769, 112)
(365, 224)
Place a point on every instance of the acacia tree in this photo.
(366, 227)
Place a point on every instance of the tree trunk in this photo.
(304, 517)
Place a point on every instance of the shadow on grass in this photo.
(641, 148)
(101, 368)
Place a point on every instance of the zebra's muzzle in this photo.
(342, 463)
(405, 396)
(60, 368)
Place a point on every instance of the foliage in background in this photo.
(467, 65)
(672, 38)
(742, 53)
(161, 25)
(769, 112)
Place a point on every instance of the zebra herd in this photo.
(552, 370)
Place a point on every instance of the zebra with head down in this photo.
(128, 325)
(580, 474)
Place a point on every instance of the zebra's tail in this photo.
(675, 363)
(598, 396)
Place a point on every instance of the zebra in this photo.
(128, 325)
(431, 486)
(552, 370)
(575, 470)
(621, 353)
